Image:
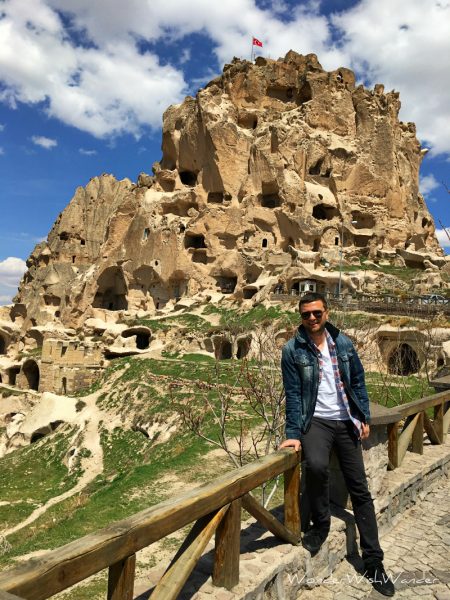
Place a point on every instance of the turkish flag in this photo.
(257, 42)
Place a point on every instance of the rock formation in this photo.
(272, 175)
(270, 169)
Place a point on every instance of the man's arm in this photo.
(358, 384)
(292, 387)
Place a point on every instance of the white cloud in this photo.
(95, 75)
(103, 86)
(406, 46)
(443, 238)
(428, 183)
(2, 126)
(11, 270)
(44, 142)
(87, 152)
(2, 150)
(185, 56)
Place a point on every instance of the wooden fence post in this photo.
(417, 437)
(292, 499)
(392, 429)
(228, 548)
(439, 422)
(121, 579)
(446, 418)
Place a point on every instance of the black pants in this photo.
(316, 449)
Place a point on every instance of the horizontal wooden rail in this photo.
(416, 422)
(115, 545)
(411, 408)
(6, 596)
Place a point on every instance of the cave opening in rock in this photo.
(304, 94)
(223, 349)
(243, 347)
(31, 371)
(142, 337)
(142, 341)
(2, 345)
(361, 241)
(226, 284)
(194, 241)
(247, 121)
(215, 197)
(12, 375)
(200, 256)
(280, 92)
(324, 212)
(362, 220)
(18, 313)
(112, 290)
(188, 178)
(270, 200)
(249, 293)
(403, 360)
(314, 169)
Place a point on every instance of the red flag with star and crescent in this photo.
(256, 42)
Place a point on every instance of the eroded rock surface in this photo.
(263, 174)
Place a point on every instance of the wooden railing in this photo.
(215, 508)
(412, 421)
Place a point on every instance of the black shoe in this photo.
(313, 539)
(380, 579)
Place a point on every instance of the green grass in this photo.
(130, 483)
(32, 475)
(231, 318)
(185, 320)
(404, 273)
(95, 589)
(391, 390)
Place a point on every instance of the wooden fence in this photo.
(414, 421)
(215, 508)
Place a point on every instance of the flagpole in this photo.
(251, 53)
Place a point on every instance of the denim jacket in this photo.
(300, 369)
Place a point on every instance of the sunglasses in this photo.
(317, 314)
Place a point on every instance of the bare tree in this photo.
(240, 409)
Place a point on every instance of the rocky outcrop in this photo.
(266, 173)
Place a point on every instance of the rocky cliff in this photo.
(265, 175)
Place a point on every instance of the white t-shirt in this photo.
(329, 405)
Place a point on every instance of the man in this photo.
(327, 405)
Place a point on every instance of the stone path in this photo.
(417, 555)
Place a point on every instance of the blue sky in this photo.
(83, 86)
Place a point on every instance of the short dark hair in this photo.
(312, 297)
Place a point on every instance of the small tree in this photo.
(240, 409)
